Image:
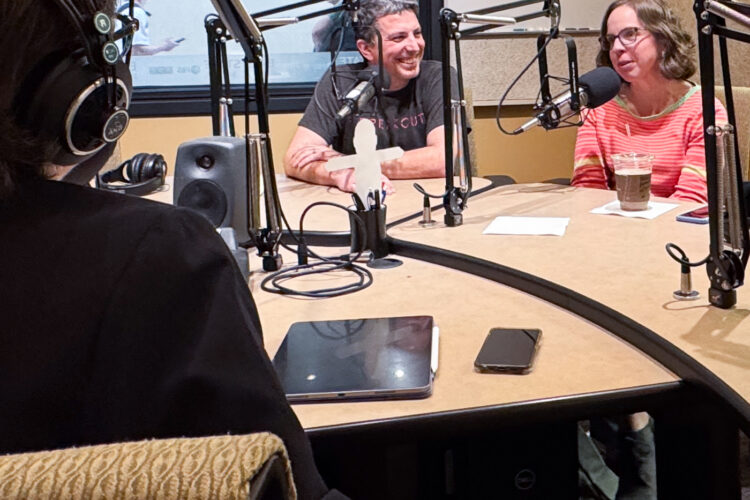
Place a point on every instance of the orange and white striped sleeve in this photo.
(588, 168)
(691, 184)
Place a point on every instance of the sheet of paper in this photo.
(655, 209)
(528, 225)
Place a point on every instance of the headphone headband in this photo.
(142, 174)
(76, 19)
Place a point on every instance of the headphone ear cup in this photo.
(67, 100)
(147, 168)
(135, 167)
(153, 166)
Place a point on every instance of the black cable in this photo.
(346, 23)
(350, 74)
(350, 327)
(552, 34)
(683, 259)
(265, 78)
(334, 73)
(274, 282)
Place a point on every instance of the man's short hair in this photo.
(372, 10)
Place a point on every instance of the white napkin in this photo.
(528, 225)
(655, 209)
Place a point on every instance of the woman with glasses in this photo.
(657, 111)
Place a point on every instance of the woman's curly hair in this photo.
(677, 46)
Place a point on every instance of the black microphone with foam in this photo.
(595, 88)
(368, 81)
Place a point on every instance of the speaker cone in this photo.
(205, 197)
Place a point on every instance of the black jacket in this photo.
(124, 319)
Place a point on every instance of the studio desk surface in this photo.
(618, 262)
(295, 196)
(576, 357)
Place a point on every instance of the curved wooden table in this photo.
(617, 261)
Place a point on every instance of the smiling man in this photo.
(408, 114)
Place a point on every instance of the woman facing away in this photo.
(122, 319)
(657, 110)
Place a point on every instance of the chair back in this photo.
(252, 466)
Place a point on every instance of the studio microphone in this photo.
(368, 79)
(595, 88)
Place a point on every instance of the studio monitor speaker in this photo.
(210, 178)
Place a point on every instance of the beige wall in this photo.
(164, 135)
(533, 156)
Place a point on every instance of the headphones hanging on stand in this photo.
(142, 174)
(81, 97)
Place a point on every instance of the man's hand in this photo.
(344, 179)
(421, 163)
(169, 44)
(306, 155)
(387, 185)
(306, 159)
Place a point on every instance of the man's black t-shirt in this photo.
(402, 118)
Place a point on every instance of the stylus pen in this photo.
(435, 350)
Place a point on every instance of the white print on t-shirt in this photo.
(399, 123)
(366, 162)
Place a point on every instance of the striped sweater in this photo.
(674, 137)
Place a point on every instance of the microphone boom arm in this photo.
(553, 116)
(551, 9)
(218, 71)
(454, 111)
(246, 32)
(454, 122)
(259, 158)
(729, 246)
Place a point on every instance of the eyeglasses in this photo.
(627, 36)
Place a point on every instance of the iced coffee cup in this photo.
(633, 180)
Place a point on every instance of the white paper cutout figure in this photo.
(366, 163)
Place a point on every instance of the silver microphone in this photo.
(356, 98)
(595, 88)
(368, 81)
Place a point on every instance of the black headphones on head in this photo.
(81, 97)
(142, 174)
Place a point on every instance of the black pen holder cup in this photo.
(374, 221)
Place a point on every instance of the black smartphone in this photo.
(508, 350)
(697, 216)
(180, 40)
